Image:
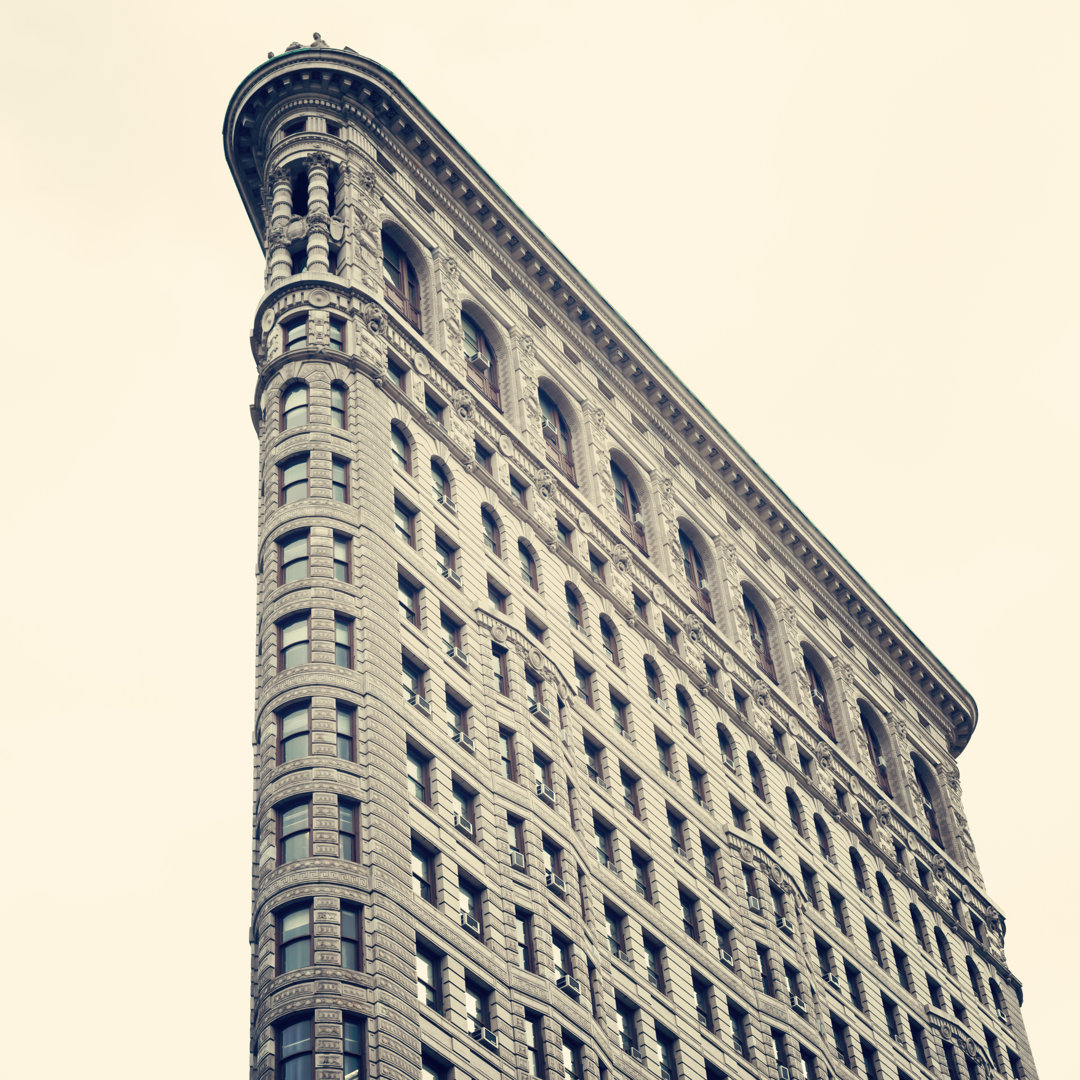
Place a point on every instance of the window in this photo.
(757, 778)
(397, 372)
(412, 682)
(937, 996)
(618, 714)
(642, 875)
(654, 962)
(405, 523)
(562, 954)
(927, 801)
(477, 1005)
(293, 479)
(943, 950)
(293, 557)
(759, 638)
(343, 640)
(446, 557)
(737, 1025)
(765, 971)
(605, 850)
(870, 1061)
(725, 940)
(689, 906)
(918, 924)
(903, 968)
(726, 747)
(877, 942)
(686, 714)
(294, 639)
(918, 1041)
(824, 957)
(542, 770)
(836, 902)
(339, 398)
(573, 609)
(295, 1050)
(854, 986)
(630, 785)
(499, 669)
(702, 994)
(571, 1059)
(822, 834)
(346, 732)
(694, 569)
(817, 696)
(400, 285)
(457, 716)
(515, 837)
(492, 540)
(480, 360)
(652, 682)
(566, 535)
(886, 897)
(840, 1040)
(400, 450)
(528, 566)
(738, 814)
(641, 608)
(607, 638)
(293, 831)
(417, 769)
(342, 557)
(483, 457)
(440, 484)
(709, 853)
(873, 748)
(626, 502)
(892, 1025)
(560, 451)
(496, 597)
(626, 1019)
(432, 1068)
(534, 1045)
(294, 938)
(294, 733)
(593, 763)
(596, 565)
(616, 938)
(809, 882)
(294, 333)
(423, 872)
(526, 958)
(795, 814)
(665, 1049)
(352, 1062)
(584, 678)
(348, 829)
(697, 783)
(470, 901)
(352, 956)
(294, 405)
(434, 408)
(663, 754)
(428, 978)
(408, 600)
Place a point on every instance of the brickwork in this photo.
(593, 672)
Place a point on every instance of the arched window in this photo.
(294, 405)
(918, 924)
(400, 283)
(817, 696)
(927, 800)
(694, 569)
(873, 748)
(885, 894)
(727, 751)
(757, 779)
(795, 814)
(440, 485)
(976, 980)
(822, 833)
(573, 608)
(652, 681)
(759, 637)
(858, 869)
(607, 637)
(400, 449)
(999, 1000)
(944, 952)
(480, 361)
(686, 713)
(492, 539)
(560, 448)
(626, 502)
(528, 566)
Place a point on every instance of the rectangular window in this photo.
(352, 1032)
(482, 456)
(470, 902)
(520, 491)
(348, 829)
(566, 535)
(296, 1049)
(689, 906)
(294, 832)
(534, 1046)
(346, 732)
(630, 786)
(737, 1024)
(836, 902)
(293, 479)
(654, 962)
(451, 633)
(702, 1001)
(663, 754)
(294, 333)
(294, 938)
(417, 769)
(618, 714)
(408, 600)
(405, 523)
(342, 558)
(352, 956)
(429, 978)
(697, 783)
(765, 971)
(294, 732)
(596, 565)
(445, 555)
(293, 557)
(584, 678)
(506, 754)
(709, 857)
(343, 640)
(433, 408)
(340, 480)
(605, 851)
(499, 669)
(423, 872)
(496, 597)
(457, 716)
(642, 875)
(840, 1040)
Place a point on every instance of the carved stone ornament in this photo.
(498, 632)
(318, 298)
(620, 557)
(727, 662)
(365, 181)
(506, 446)
(776, 874)
(544, 481)
(278, 176)
(847, 677)
(759, 691)
(823, 753)
(464, 403)
(267, 320)
(275, 236)
(746, 854)
(296, 229)
(585, 523)
(337, 230)
(899, 727)
(883, 812)
(373, 317)
(420, 362)
(450, 267)
(535, 659)
(694, 630)
(658, 595)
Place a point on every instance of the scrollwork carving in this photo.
(620, 558)
(464, 403)
(695, 631)
(373, 317)
(760, 692)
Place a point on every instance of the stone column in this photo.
(279, 262)
(318, 241)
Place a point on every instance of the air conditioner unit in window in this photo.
(538, 710)
(470, 923)
(517, 860)
(458, 654)
(486, 1036)
(753, 902)
(569, 984)
(817, 697)
(638, 520)
(546, 792)
(547, 426)
(680, 851)
(727, 958)
(783, 1072)
(464, 740)
(730, 763)
(463, 824)
(665, 1073)
(478, 360)
(833, 980)
(621, 954)
(555, 883)
(797, 1003)
(420, 702)
(785, 924)
(1003, 1016)
(452, 576)
(448, 503)
(636, 1054)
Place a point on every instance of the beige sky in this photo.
(850, 226)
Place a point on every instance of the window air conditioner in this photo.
(569, 984)
(486, 1036)
(463, 824)
(470, 923)
(555, 883)
(517, 860)
(464, 740)
(420, 702)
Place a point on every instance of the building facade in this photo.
(579, 752)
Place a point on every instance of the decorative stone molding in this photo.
(373, 317)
